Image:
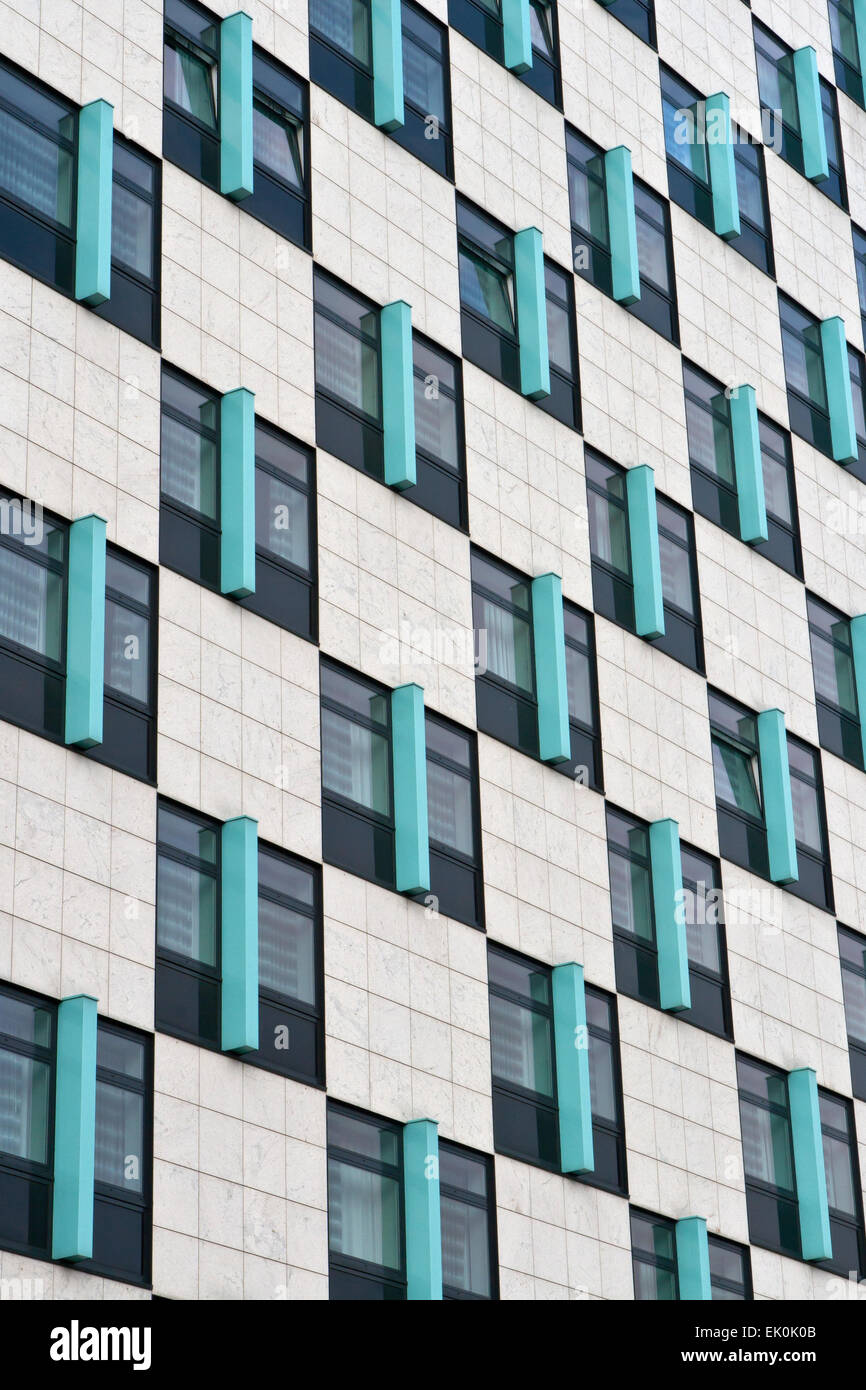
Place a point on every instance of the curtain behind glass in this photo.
(36, 170)
(735, 778)
(465, 1247)
(767, 1147)
(24, 1088)
(630, 895)
(275, 145)
(363, 1214)
(186, 911)
(286, 952)
(30, 604)
(355, 762)
(119, 1136)
(189, 468)
(345, 23)
(840, 1183)
(509, 652)
(189, 83)
(521, 1046)
(854, 993)
(436, 424)
(423, 83)
(132, 231)
(282, 524)
(577, 677)
(127, 665)
(346, 366)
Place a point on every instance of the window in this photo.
(357, 809)
(778, 94)
(612, 578)
(730, 1270)
(32, 622)
(804, 375)
(859, 239)
(456, 879)
(349, 405)
(468, 1212)
(341, 61)
(190, 134)
(714, 483)
(505, 674)
(852, 958)
(657, 305)
(129, 702)
(835, 686)
(285, 533)
(705, 940)
(768, 1157)
(842, 1173)
(605, 1085)
(487, 310)
(815, 881)
(521, 1047)
(365, 1207)
(189, 519)
(846, 50)
(653, 1257)
(188, 926)
(281, 192)
(27, 1051)
(480, 21)
(583, 712)
(291, 969)
(637, 15)
(689, 170)
(135, 244)
(564, 399)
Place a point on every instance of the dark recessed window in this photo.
(808, 408)
(631, 907)
(468, 1211)
(814, 881)
(564, 399)
(653, 1257)
(583, 712)
(780, 114)
(440, 458)
(456, 879)
(33, 623)
(285, 533)
(768, 1157)
(188, 963)
(190, 113)
(846, 50)
(136, 207)
(357, 804)
(859, 239)
(835, 685)
(505, 675)
(857, 373)
(742, 832)
(657, 305)
(367, 1259)
(705, 941)
(291, 970)
(480, 21)
(637, 15)
(189, 517)
(842, 1174)
(525, 1122)
(714, 482)
(730, 1270)
(487, 308)
(852, 957)
(281, 189)
(129, 703)
(605, 1084)
(27, 1057)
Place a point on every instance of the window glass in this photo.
(355, 755)
(347, 347)
(188, 454)
(464, 1197)
(187, 887)
(346, 23)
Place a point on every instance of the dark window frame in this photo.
(492, 687)
(350, 1265)
(703, 976)
(805, 852)
(479, 24)
(449, 854)
(49, 675)
(174, 548)
(582, 735)
(188, 141)
(487, 1204)
(853, 1224)
(283, 191)
(484, 336)
(831, 715)
(848, 78)
(761, 1190)
(121, 308)
(630, 12)
(856, 1046)
(654, 1261)
(12, 1167)
(612, 1130)
(512, 1090)
(174, 961)
(736, 1289)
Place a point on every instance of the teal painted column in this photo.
(815, 163)
(423, 1217)
(531, 299)
(387, 25)
(693, 1259)
(571, 1041)
(239, 854)
(517, 36)
(723, 170)
(646, 570)
(548, 635)
(74, 1129)
(815, 1239)
(776, 792)
(238, 493)
(398, 394)
(860, 31)
(85, 632)
(837, 374)
(857, 628)
(95, 186)
(236, 106)
(621, 225)
(666, 869)
(409, 752)
(748, 464)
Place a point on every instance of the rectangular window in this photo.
(859, 239)
(468, 1212)
(835, 686)
(852, 958)
(657, 305)
(637, 15)
(583, 712)
(291, 969)
(480, 21)
(357, 804)
(714, 483)
(815, 881)
(740, 814)
(842, 1173)
(33, 624)
(286, 552)
(188, 964)
(564, 399)
(367, 1258)
(857, 373)
(768, 1157)
(612, 580)
(189, 517)
(27, 1055)
(525, 1121)
(654, 1257)
(505, 674)
(846, 50)
(730, 1270)
(488, 315)
(440, 458)
(136, 207)
(281, 190)
(605, 1086)
(456, 878)
(780, 115)
(688, 165)
(129, 702)
(705, 939)
(190, 135)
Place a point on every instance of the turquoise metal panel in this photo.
(94, 201)
(776, 792)
(239, 853)
(387, 64)
(815, 162)
(236, 106)
(572, 1069)
(85, 632)
(74, 1129)
(815, 1240)
(398, 394)
(857, 628)
(667, 886)
(748, 464)
(693, 1259)
(238, 493)
(646, 570)
(423, 1219)
(837, 374)
(723, 172)
(409, 748)
(860, 31)
(548, 633)
(517, 35)
(621, 225)
(531, 313)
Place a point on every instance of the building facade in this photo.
(432, 649)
